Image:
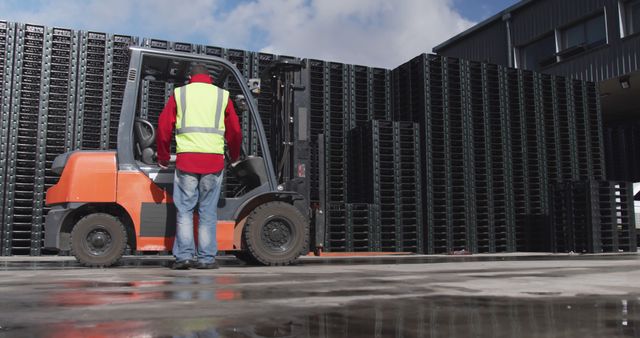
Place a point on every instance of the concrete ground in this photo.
(513, 295)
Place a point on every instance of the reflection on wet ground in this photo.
(421, 317)
(165, 261)
(551, 296)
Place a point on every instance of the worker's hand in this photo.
(163, 164)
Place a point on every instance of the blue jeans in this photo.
(191, 190)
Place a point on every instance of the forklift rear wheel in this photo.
(98, 240)
(276, 233)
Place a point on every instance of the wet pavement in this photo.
(415, 296)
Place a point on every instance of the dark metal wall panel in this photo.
(603, 63)
(487, 45)
(541, 17)
(537, 18)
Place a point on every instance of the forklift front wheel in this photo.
(98, 240)
(276, 233)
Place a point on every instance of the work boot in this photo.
(212, 265)
(181, 265)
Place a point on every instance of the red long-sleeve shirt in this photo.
(197, 163)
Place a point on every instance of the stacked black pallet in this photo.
(359, 103)
(242, 60)
(7, 35)
(501, 170)
(405, 83)
(379, 88)
(385, 173)
(617, 222)
(535, 162)
(622, 148)
(155, 93)
(592, 216)
(481, 142)
(595, 146)
(41, 121)
(92, 127)
(408, 187)
(442, 108)
(22, 161)
(60, 68)
(369, 94)
(330, 82)
(259, 63)
(102, 71)
(118, 78)
(317, 78)
(495, 138)
(337, 124)
(352, 227)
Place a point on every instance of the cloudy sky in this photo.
(381, 33)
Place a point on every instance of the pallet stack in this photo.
(385, 174)
(438, 155)
(495, 138)
(592, 217)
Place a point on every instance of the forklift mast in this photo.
(290, 122)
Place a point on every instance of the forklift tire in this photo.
(98, 240)
(276, 233)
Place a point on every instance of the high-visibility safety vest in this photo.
(200, 118)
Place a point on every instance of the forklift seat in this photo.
(145, 137)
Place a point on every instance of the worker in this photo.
(196, 112)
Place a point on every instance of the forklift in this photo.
(108, 203)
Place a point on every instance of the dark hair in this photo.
(199, 69)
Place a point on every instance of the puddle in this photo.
(420, 317)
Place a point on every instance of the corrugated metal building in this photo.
(593, 40)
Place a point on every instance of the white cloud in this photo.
(372, 32)
(378, 33)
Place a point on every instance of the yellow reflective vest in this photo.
(200, 118)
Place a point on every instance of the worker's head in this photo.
(199, 69)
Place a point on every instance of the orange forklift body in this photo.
(93, 177)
